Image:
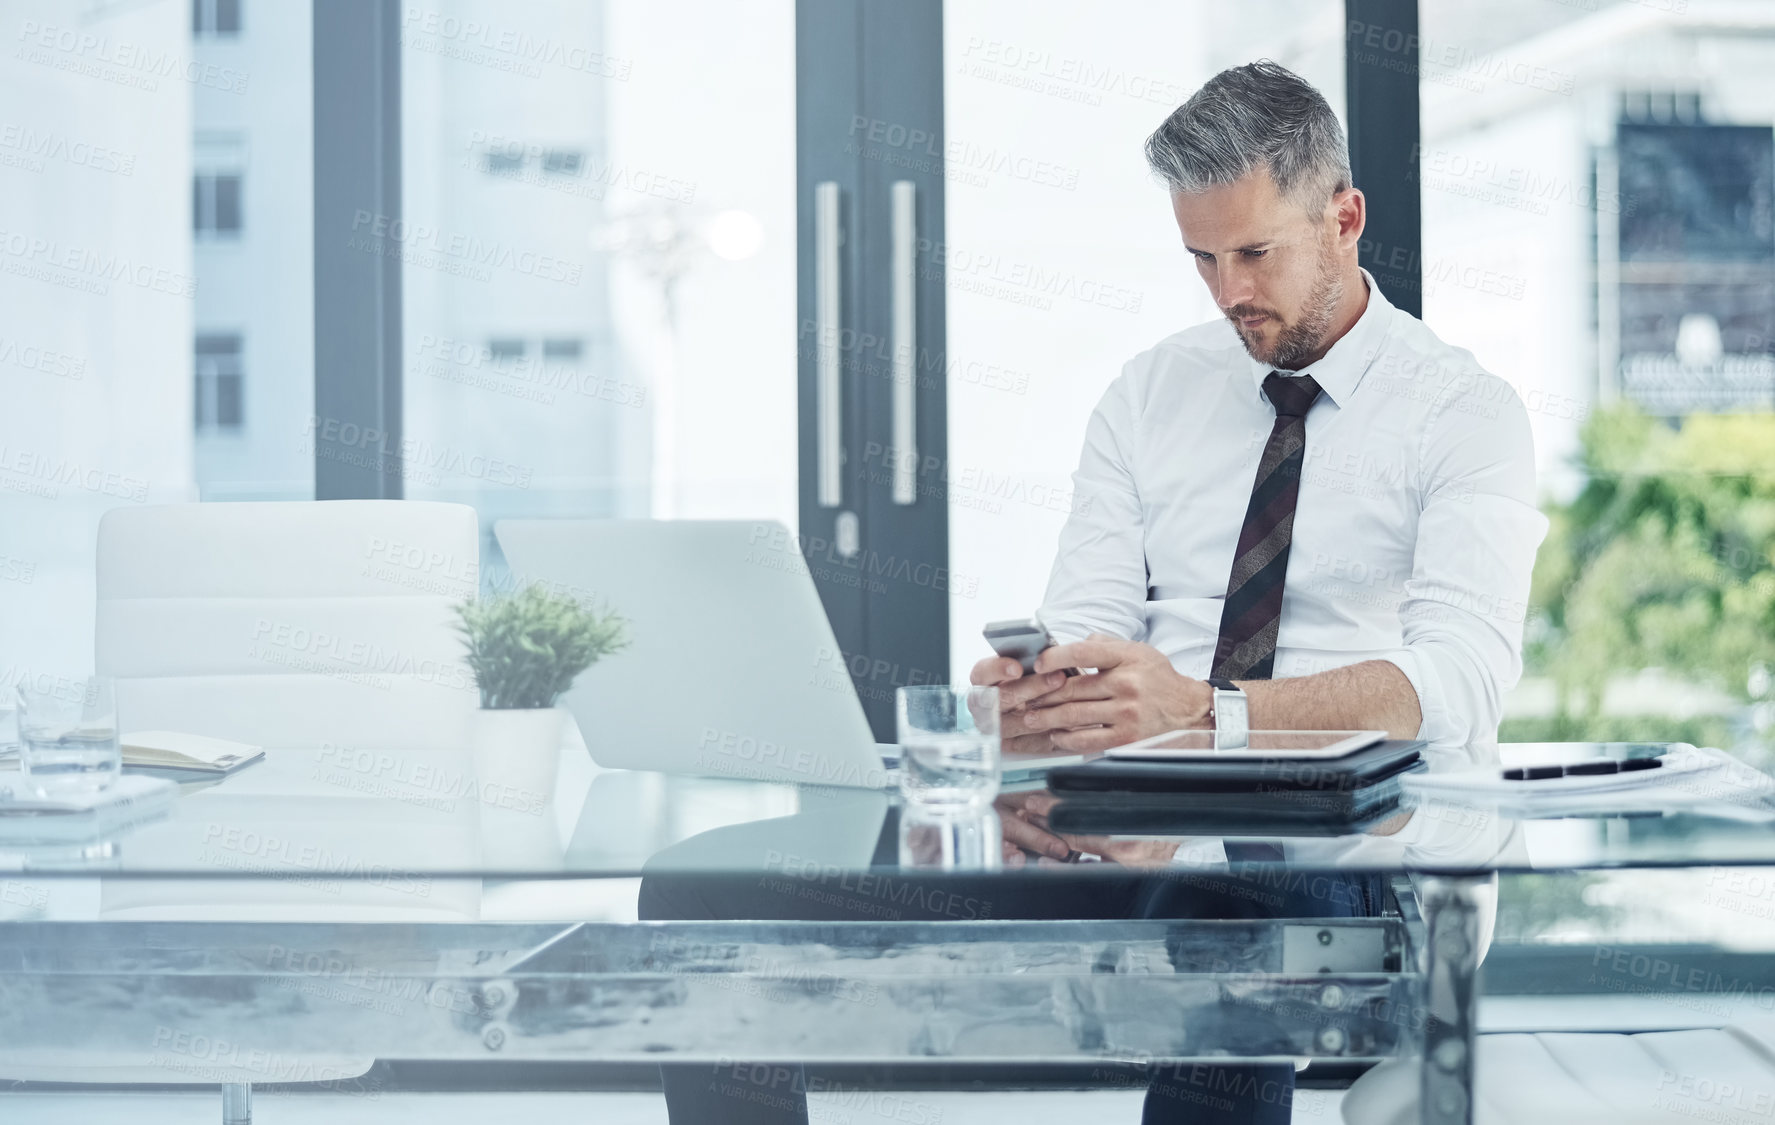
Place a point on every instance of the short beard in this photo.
(1295, 342)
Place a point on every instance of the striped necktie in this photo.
(1253, 609)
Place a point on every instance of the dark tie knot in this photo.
(1290, 396)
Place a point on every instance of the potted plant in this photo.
(525, 649)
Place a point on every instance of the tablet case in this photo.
(1247, 775)
(1296, 812)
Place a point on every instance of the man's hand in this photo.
(1023, 821)
(1133, 694)
(1028, 835)
(1015, 691)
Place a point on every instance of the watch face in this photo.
(1231, 721)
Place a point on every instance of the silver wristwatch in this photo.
(1231, 715)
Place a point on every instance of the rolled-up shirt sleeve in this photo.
(1098, 584)
(1467, 599)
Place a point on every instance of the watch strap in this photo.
(1222, 684)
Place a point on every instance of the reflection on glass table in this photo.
(328, 815)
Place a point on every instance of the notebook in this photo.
(196, 753)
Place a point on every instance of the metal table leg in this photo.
(1451, 922)
(237, 1103)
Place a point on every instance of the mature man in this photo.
(1315, 412)
(1314, 508)
(1315, 501)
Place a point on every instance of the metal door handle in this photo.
(828, 362)
(905, 341)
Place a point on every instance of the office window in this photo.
(215, 204)
(504, 163)
(563, 161)
(217, 394)
(507, 348)
(216, 18)
(1599, 229)
(562, 351)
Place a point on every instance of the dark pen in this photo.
(1594, 767)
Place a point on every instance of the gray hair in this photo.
(1260, 114)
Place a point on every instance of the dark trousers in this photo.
(745, 1094)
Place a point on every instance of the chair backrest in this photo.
(290, 623)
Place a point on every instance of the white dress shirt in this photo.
(1413, 537)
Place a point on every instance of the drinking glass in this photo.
(948, 746)
(68, 736)
(966, 840)
(8, 724)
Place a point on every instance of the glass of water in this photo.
(8, 724)
(68, 736)
(948, 746)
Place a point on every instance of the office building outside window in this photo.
(218, 390)
(215, 205)
(215, 18)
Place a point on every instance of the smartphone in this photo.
(1021, 639)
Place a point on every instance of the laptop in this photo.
(732, 669)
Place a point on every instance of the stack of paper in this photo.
(26, 818)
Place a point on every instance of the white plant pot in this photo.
(517, 755)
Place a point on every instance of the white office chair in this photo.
(287, 625)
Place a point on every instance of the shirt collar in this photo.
(1349, 359)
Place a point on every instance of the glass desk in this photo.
(323, 909)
